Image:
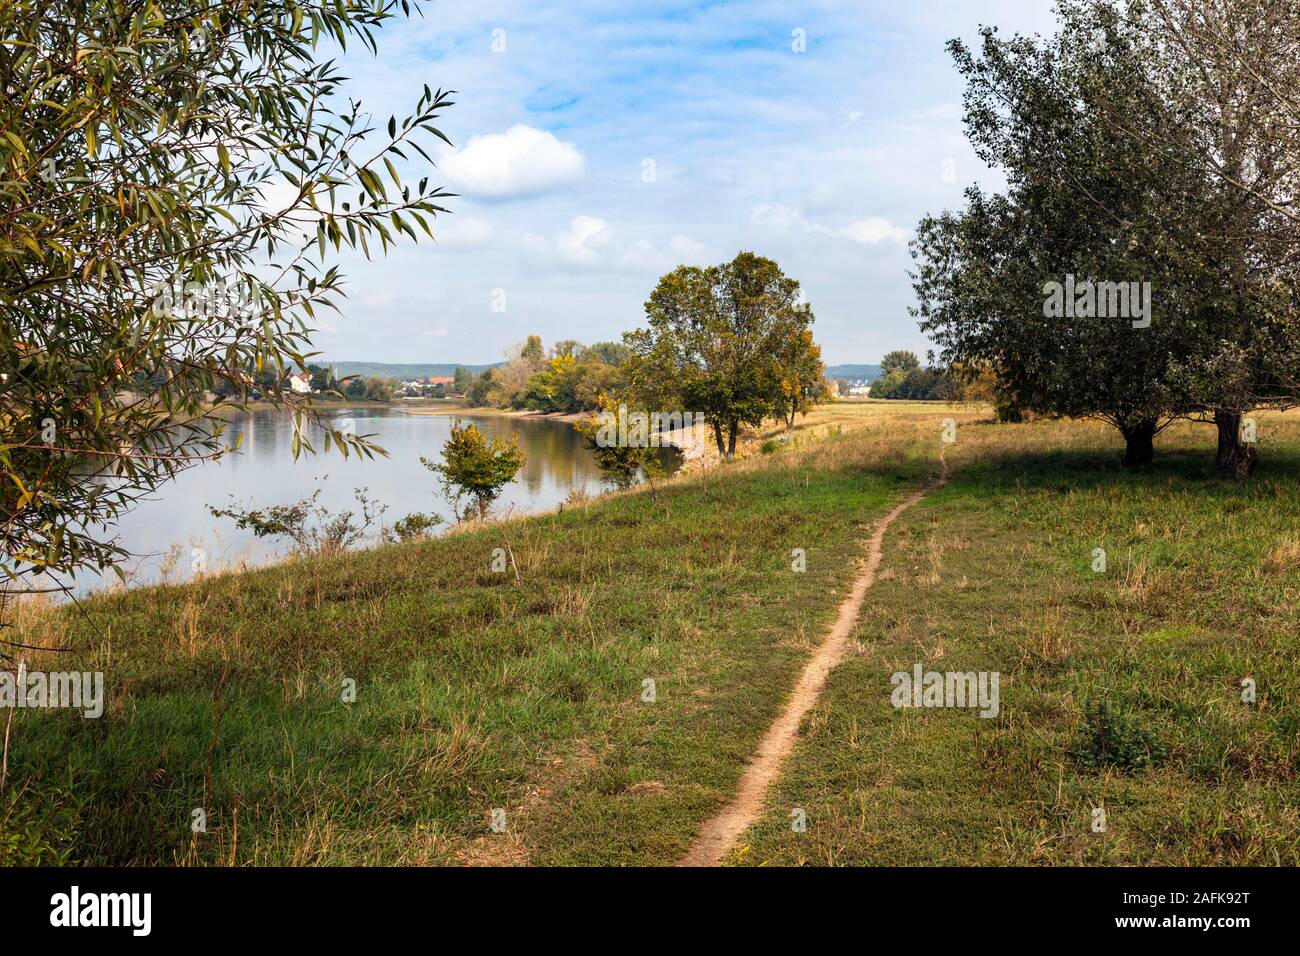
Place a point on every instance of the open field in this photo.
(994, 572)
(477, 690)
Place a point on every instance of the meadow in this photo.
(608, 695)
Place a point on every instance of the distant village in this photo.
(323, 380)
(860, 387)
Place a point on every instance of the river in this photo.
(170, 530)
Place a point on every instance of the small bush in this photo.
(38, 828)
(414, 526)
(311, 528)
(476, 467)
(1114, 738)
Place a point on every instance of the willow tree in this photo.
(176, 179)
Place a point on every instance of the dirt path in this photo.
(719, 834)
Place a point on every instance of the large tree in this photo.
(175, 180)
(900, 361)
(1229, 71)
(713, 343)
(1083, 208)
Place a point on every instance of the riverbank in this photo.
(460, 408)
(699, 447)
(331, 405)
(605, 687)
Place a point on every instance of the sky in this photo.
(599, 145)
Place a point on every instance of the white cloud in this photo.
(874, 229)
(582, 241)
(521, 161)
(780, 218)
(434, 334)
(589, 241)
(869, 231)
(687, 248)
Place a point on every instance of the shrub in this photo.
(1114, 738)
(413, 526)
(475, 466)
(311, 527)
(39, 828)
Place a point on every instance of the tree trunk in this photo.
(1139, 447)
(717, 436)
(1236, 459)
(731, 439)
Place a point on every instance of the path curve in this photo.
(719, 834)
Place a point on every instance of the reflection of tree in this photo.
(556, 454)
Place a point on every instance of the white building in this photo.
(300, 383)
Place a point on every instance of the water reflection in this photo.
(165, 530)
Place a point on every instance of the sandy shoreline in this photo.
(690, 445)
(489, 411)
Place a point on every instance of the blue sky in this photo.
(600, 144)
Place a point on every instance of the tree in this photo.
(322, 378)
(917, 384)
(532, 350)
(801, 385)
(1081, 204)
(622, 462)
(476, 396)
(308, 525)
(474, 466)
(1230, 71)
(523, 359)
(380, 389)
(607, 353)
(976, 383)
(899, 361)
(175, 180)
(712, 340)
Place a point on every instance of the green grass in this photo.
(473, 691)
(994, 572)
(1118, 690)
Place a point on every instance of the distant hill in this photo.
(854, 372)
(401, 370)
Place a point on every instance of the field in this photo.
(1121, 690)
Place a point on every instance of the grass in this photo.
(1119, 690)
(473, 691)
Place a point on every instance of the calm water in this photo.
(163, 531)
